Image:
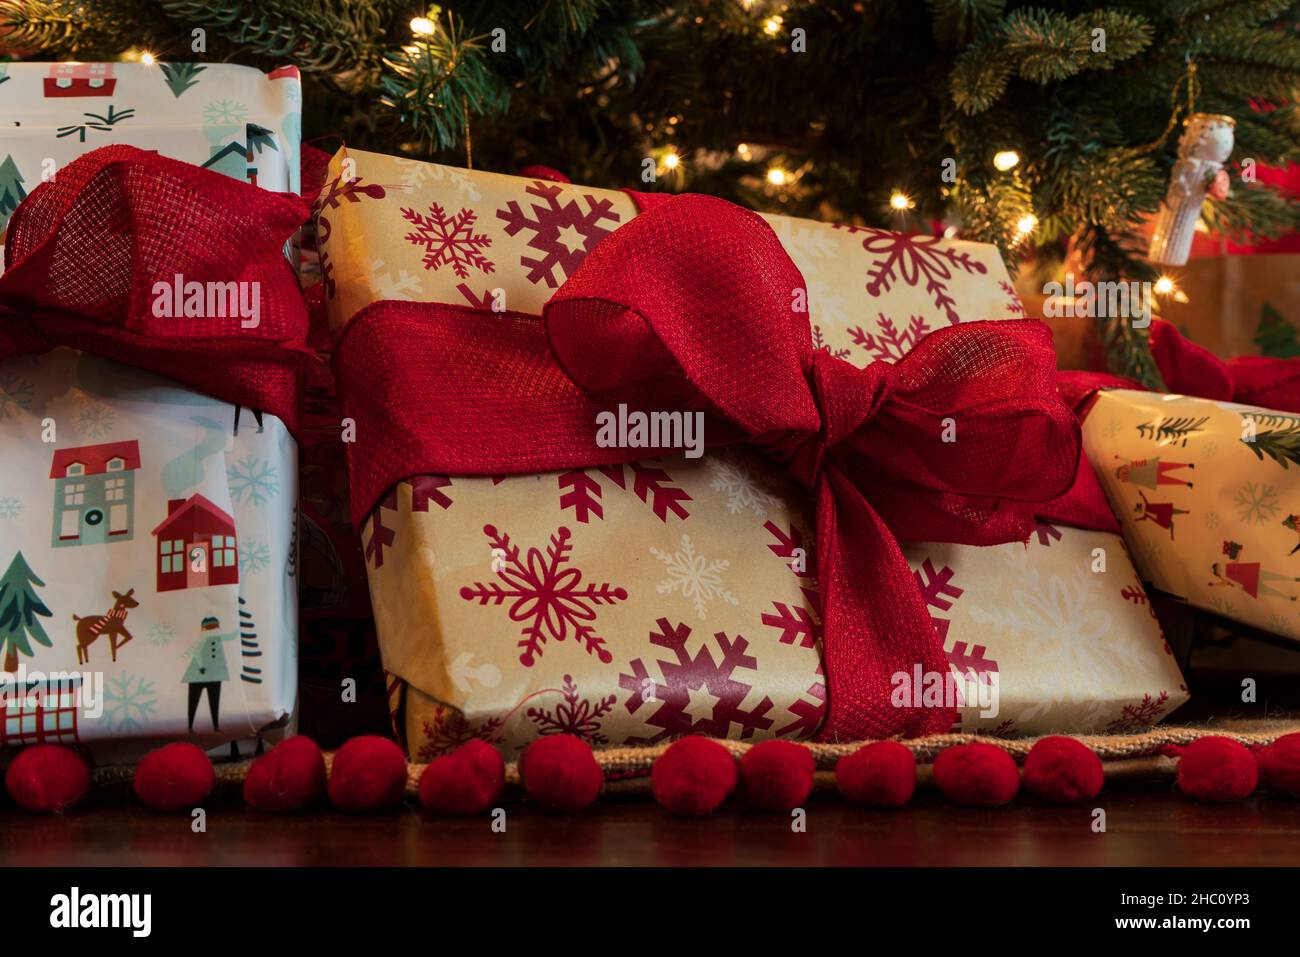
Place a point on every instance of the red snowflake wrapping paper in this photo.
(634, 603)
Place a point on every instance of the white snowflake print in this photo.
(11, 506)
(818, 253)
(391, 284)
(224, 113)
(741, 483)
(161, 635)
(1211, 519)
(416, 174)
(1256, 503)
(96, 421)
(253, 480)
(693, 577)
(129, 702)
(1209, 449)
(449, 240)
(1111, 429)
(15, 395)
(254, 555)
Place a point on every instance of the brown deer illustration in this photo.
(112, 624)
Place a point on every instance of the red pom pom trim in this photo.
(1217, 769)
(881, 774)
(368, 774)
(1279, 766)
(560, 773)
(693, 777)
(287, 778)
(976, 774)
(47, 778)
(175, 777)
(467, 781)
(1062, 770)
(777, 775)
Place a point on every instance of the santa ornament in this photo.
(1203, 148)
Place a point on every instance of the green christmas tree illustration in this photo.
(11, 190)
(181, 76)
(19, 606)
(1275, 336)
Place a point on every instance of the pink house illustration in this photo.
(196, 546)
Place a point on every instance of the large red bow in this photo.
(84, 252)
(689, 307)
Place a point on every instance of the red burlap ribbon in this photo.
(84, 251)
(689, 307)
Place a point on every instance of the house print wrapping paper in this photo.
(636, 603)
(1206, 492)
(235, 120)
(148, 588)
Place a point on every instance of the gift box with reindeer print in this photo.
(147, 562)
(1206, 492)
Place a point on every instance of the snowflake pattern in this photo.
(417, 175)
(693, 577)
(161, 635)
(1256, 503)
(817, 254)
(1211, 519)
(129, 702)
(449, 240)
(741, 483)
(696, 694)
(11, 506)
(819, 342)
(447, 730)
(393, 284)
(254, 555)
(224, 113)
(574, 715)
(549, 599)
(15, 395)
(1111, 429)
(96, 421)
(563, 233)
(253, 480)
(1135, 717)
(891, 343)
(1015, 306)
(913, 259)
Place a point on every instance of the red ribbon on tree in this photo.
(84, 251)
(689, 306)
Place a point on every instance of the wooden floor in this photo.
(1144, 827)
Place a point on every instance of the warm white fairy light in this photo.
(900, 201)
(671, 160)
(772, 25)
(422, 26)
(1027, 224)
(1006, 159)
(147, 58)
(1164, 286)
(777, 176)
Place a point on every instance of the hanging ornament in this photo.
(1203, 148)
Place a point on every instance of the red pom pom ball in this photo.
(1279, 766)
(175, 777)
(1062, 770)
(288, 777)
(693, 777)
(467, 781)
(978, 775)
(777, 775)
(1217, 769)
(368, 774)
(881, 774)
(47, 778)
(560, 773)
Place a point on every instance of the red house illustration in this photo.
(80, 79)
(196, 546)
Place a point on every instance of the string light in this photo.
(422, 26)
(671, 160)
(743, 150)
(1006, 159)
(777, 176)
(1164, 286)
(1027, 224)
(147, 58)
(900, 201)
(772, 25)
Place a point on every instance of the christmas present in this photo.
(148, 579)
(633, 592)
(231, 119)
(399, 229)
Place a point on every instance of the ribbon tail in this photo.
(871, 634)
